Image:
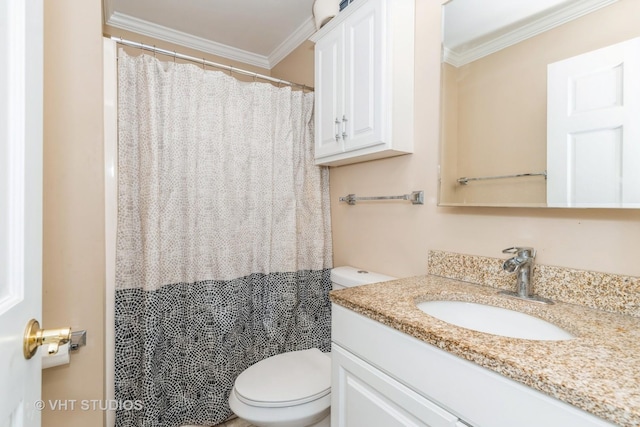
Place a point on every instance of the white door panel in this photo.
(364, 47)
(363, 396)
(329, 57)
(593, 141)
(21, 30)
(595, 159)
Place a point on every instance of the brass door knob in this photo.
(34, 337)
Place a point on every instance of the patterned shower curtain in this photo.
(223, 244)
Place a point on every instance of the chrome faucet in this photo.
(522, 266)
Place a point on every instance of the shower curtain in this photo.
(223, 241)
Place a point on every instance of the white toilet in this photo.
(293, 389)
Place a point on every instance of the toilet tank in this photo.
(347, 276)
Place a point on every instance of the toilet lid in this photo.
(286, 379)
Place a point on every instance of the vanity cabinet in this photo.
(364, 67)
(382, 377)
(368, 397)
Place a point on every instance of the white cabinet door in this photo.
(329, 96)
(349, 95)
(593, 145)
(364, 65)
(365, 102)
(363, 396)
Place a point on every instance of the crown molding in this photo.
(299, 36)
(561, 16)
(130, 23)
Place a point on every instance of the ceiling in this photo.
(256, 32)
(476, 28)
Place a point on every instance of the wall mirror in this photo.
(541, 103)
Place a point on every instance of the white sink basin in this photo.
(494, 320)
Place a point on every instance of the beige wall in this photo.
(297, 67)
(501, 110)
(394, 238)
(73, 252)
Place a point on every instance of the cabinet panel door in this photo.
(365, 45)
(363, 396)
(329, 94)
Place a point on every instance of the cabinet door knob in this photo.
(344, 127)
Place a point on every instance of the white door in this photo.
(329, 96)
(21, 30)
(593, 140)
(363, 396)
(362, 121)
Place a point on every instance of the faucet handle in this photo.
(520, 251)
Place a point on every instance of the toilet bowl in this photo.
(293, 389)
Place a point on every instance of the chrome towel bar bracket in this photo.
(415, 197)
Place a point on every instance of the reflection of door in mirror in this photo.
(593, 128)
(494, 101)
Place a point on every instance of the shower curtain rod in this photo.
(204, 62)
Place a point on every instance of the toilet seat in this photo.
(285, 380)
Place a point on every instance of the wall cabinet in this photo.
(364, 67)
(382, 377)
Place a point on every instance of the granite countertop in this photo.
(598, 371)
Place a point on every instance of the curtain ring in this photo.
(303, 88)
(230, 70)
(255, 77)
(174, 56)
(279, 83)
(154, 50)
(203, 64)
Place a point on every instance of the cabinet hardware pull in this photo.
(344, 127)
(337, 128)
